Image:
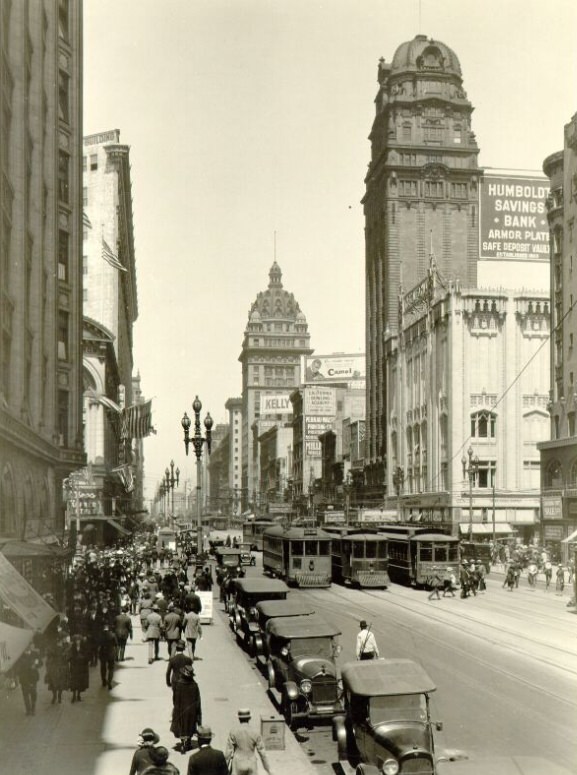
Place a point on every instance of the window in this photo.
(63, 418)
(433, 134)
(85, 197)
(459, 190)
(62, 335)
(63, 185)
(486, 473)
(63, 255)
(458, 136)
(63, 97)
(408, 188)
(434, 188)
(93, 161)
(406, 132)
(483, 425)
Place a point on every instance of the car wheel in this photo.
(289, 710)
(271, 676)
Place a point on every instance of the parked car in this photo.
(227, 563)
(246, 555)
(245, 594)
(386, 724)
(301, 667)
(272, 609)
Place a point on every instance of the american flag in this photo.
(111, 257)
(126, 477)
(136, 421)
(86, 220)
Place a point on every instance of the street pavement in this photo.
(99, 735)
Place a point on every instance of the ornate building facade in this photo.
(421, 197)
(40, 262)
(275, 339)
(559, 454)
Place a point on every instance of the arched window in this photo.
(554, 475)
(483, 425)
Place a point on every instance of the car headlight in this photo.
(306, 686)
(391, 767)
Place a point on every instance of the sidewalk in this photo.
(99, 735)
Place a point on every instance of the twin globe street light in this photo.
(169, 481)
(471, 470)
(198, 441)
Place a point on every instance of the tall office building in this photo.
(275, 338)
(40, 262)
(559, 455)
(110, 310)
(421, 198)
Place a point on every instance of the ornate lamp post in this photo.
(198, 441)
(398, 481)
(470, 470)
(347, 487)
(170, 480)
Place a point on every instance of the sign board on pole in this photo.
(206, 612)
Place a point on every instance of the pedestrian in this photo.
(243, 743)
(186, 708)
(57, 675)
(27, 671)
(107, 653)
(560, 579)
(141, 758)
(436, 583)
(366, 643)
(207, 760)
(449, 582)
(192, 631)
(172, 629)
(192, 602)
(123, 631)
(153, 633)
(510, 578)
(78, 661)
(464, 579)
(481, 571)
(160, 764)
(473, 578)
(176, 663)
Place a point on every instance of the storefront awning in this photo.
(22, 598)
(486, 529)
(13, 642)
(571, 538)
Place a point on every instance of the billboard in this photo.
(278, 403)
(513, 217)
(335, 368)
(320, 409)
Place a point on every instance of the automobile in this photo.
(301, 667)
(244, 596)
(271, 609)
(227, 563)
(386, 726)
(246, 555)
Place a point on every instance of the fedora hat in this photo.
(204, 733)
(244, 713)
(362, 624)
(149, 734)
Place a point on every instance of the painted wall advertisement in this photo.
(335, 368)
(513, 219)
(276, 404)
(320, 411)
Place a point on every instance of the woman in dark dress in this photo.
(78, 660)
(58, 668)
(186, 711)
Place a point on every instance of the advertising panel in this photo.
(278, 403)
(513, 218)
(336, 368)
(320, 411)
(552, 507)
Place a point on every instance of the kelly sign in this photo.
(513, 218)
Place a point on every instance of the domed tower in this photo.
(421, 198)
(275, 338)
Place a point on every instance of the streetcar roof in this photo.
(301, 533)
(274, 608)
(254, 586)
(312, 626)
(432, 537)
(364, 537)
(381, 677)
(226, 551)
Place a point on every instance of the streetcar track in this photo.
(466, 653)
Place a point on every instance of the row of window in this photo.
(434, 189)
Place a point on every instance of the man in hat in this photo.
(243, 743)
(141, 759)
(160, 764)
(186, 708)
(207, 760)
(123, 631)
(107, 653)
(172, 629)
(176, 663)
(366, 643)
(153, 633)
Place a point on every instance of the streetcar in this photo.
(252, 531)
(417, 554)
(166, 539)
(301, 556)
(359, 558)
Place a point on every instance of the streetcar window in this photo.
(426, 552)
(358, 549)
(383, 550)
(371, 550)
(441, 554)
(324, 548)
(297, 563)
(453, 552)
(311, 548)
(297, 548)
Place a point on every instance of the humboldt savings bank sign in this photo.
(514, 218)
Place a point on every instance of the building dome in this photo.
(425, 55)
(274, 302)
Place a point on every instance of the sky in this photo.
(248, 124)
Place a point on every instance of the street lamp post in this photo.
(198, 442)
(347, 487)
(398, 480)
(170, 480)
(470, 470)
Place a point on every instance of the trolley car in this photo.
(416, 554)
(300, 556)
(252, 532)
(359, 558)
